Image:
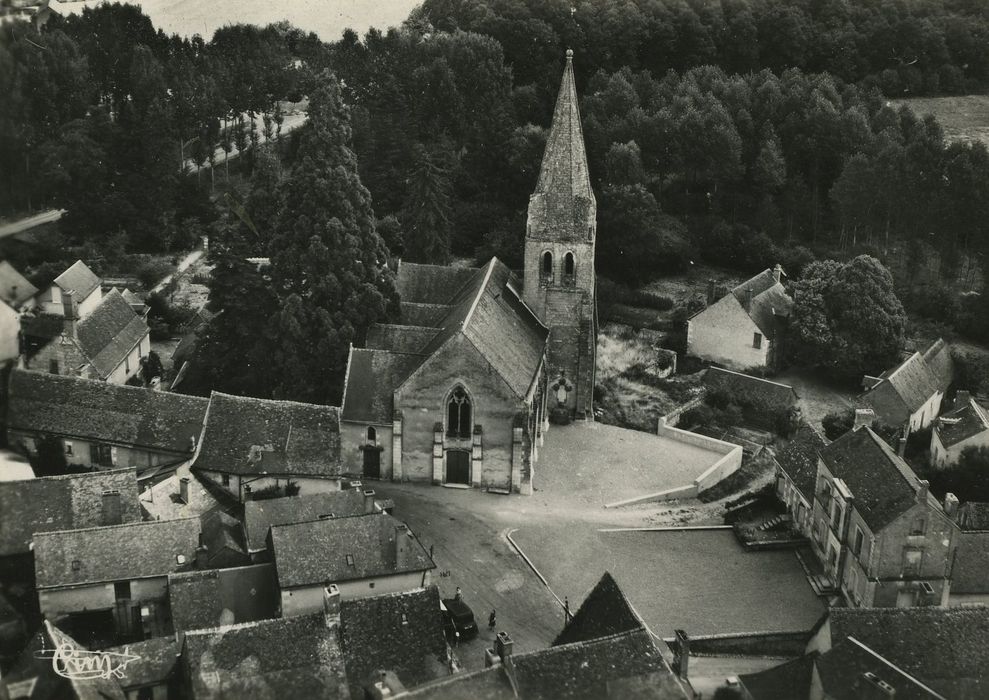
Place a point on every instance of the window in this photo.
(918, 526)
(76, 564)
(101, 454)
(459, 422)
(853, 581)
(350, 560)
(857, 542)
(121, 590)
(912, 559)
(372, 435)
(225, 479)
(180, 559)
(757, 340)
(68, 447)
(52, 366)
(569, 269)
(547, 269)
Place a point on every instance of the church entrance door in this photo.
(372, 463)
(458, 467)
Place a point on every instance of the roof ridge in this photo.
(267, 621)
(447, 267)
(908, 474)
(258, 400)
(749, 376)
(59, 477)
(480, 292)
(407, 325)
(395, 352)
(117, 527)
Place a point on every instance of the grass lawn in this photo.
(701, 581)
(965, 118)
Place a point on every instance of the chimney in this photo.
(712, 292)
(368, 501)
(902, 449)
(748, 298)
(951, 505)
(356, 485)
(503, 645)
(777, 272)
(681, 654)
(863, 417)
(331, 605)
(923, 485)
(202, 555)
(184, 489)
(70, 313)
(111, 508)
(402, 541)
(962, 398)
(871, 687)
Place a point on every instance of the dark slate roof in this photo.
(939, 361)
(294, 657)
(78, 279)
(316, 552)
(424, 315)
(222, 532)
(14, 287)
(902, 390)
(208, 598)
(95, 410)
(60, 503)
(788, 681)
(943, 647)
(155, 665)
(841, 671)
(372, 377)
(799, 459)
(973, 516)
(605, 611)
(970, 572)
(431, 284)
(962, 423)
(110, 332)
(386, 336)
(116, 553)
(259, 516)
(195, 599)
(882, 484)
(753, 390)
(769, 300)
(401, 632)
(254, 436)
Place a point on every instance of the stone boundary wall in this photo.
(672, 418)
(783, 644)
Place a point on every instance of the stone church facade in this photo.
(461, 391)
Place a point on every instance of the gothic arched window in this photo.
(458, 414)
(547, 269)
(372, 435)
(569, 268)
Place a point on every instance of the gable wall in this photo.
(723, 333)
(10, 331)
(69, 357)
(926, 414)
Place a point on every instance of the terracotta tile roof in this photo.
(936, 645)
(400, 632)
(245, 435)
(908, 386)
(259, 516)
(431, 284)
(799, 459)
(14, 287)
(98, 411)
(426, 315)
(883, 485)
(117, 553)
(769, 300)
(763, 393)
(788, 681)
(372, 377)
(78, 279)
(109, 333)
(345, 549)
(605, 611)
(156, 663)
(61, 503)
(962, 423)
(841, 670)
(294, 657)
(412, 339)
(970, 571)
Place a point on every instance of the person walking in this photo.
(492, 620)
(459, 595)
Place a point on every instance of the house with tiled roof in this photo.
(910, 394)
(207, 598)
(796, 475)
(78, 281)
(882, 538)
(966, 425)
(459, 390)
(745, 328)
(253, 445)
(119, 572)
(260, 516)
(101, 425)
(362, 555)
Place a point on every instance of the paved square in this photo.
(700, 580)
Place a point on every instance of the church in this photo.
(461, 391)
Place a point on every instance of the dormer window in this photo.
(546, 271)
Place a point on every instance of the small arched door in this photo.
(458, 467)
(372, 455)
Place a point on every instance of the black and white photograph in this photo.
(494, 349)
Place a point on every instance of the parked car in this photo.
(458, 620)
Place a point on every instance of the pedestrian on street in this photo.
(492, 621)
(459, 594)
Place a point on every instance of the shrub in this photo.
(152, 272)
(166, 319)
(614, 292)
(837, 423)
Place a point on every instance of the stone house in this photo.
(208, 598)
(101, 425)
(910, 394)
(745, 328)
(796, 476)
(79, 282)
(459, 391)
(362, 555)
(970, 572)
(114, 578)
(253, 445)
(883, 539)
(967, 425)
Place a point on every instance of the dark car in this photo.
(458, 620)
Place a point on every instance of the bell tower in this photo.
(559, 256)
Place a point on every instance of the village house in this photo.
(970, 571)
(257, 448)
(746, 328)
(209, 598)
(222, 544)
(100, 425)
(17, 296)
(362, 555)
(909, 395)
(78, 281)
(113, 581)
(967, 425)
(883, 539)
(796, 476)
(460, 391)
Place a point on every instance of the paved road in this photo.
(291, 121)
(187, 262)
(21, 225)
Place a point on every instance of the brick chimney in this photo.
(70, 314)
(369, 500)
(112, 514)
(923, 486)
(962, 398)
(777, 272)
(951, 505)
(184, 489)
(503, 645)
(863, 416)
(331, 605)
(748, 298)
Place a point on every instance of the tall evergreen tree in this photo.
(427, 214)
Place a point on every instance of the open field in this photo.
(965, 118)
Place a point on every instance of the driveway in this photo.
(818, 396)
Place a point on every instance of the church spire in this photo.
(564, 168)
